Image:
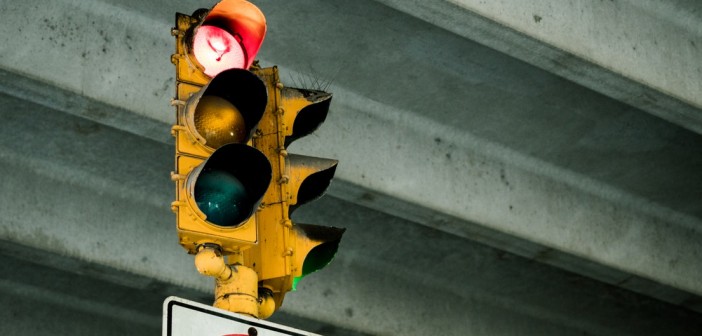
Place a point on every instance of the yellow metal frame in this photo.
(264, 254)
(193, 229)
(275, 250)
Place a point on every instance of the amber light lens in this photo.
(219, 122)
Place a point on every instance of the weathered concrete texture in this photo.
(509, 147)
(95, 48)
(45, 293)
(645, 53)
(430, 127)
(48, 300)
(97, 197)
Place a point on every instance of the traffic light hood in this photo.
(309, 178)
(316, 247)
(308, 118)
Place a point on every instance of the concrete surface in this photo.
(70, 231)
(645, 53)
(538, 131)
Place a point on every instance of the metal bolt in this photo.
(177, 177)
(177, 102)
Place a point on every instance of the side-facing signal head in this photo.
(311, 109)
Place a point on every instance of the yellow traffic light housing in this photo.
(216, 194)
(215, 109)
(236, 184)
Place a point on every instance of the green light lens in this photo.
(317, 258)
(222, 198)
(295, 281)
(219, 122)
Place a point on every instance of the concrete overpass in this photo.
(505, 169)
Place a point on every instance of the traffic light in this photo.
(236, 184)
(217, 194)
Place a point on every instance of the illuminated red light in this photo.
(217, 50)
(229, 37)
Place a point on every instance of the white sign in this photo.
(187, 318)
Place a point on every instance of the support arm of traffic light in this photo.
(236, 285)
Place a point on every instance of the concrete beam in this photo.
(643, 53)
(75, 297)
(89, 201)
